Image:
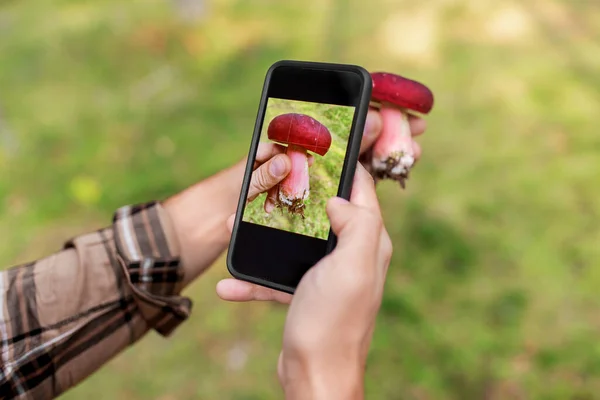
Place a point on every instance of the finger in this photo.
(230, 222)
(271, 200)
(357, 230)
(241, 291)
(266, 151)
(339, 211)
(363, 189)
(268, 175)
(417, 125)
(417, 150)
(373, 127)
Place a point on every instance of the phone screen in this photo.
(316, 116)
(315, 137)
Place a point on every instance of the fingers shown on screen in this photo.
(269, 175)
(271, 200)
(267, 151)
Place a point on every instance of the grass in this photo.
(493, 287)
(325, 172)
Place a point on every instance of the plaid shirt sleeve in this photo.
(64, 316)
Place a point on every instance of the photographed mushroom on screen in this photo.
(301, 133)
(392, 156)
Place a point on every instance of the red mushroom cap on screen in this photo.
(300, 130)
(401, 92)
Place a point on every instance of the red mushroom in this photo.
(395, 96)
(301, 133)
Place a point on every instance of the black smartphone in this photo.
(316, 113)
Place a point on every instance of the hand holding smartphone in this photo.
(316, 112)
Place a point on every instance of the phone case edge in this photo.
(348, 169)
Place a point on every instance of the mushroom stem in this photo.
(295, 188)
(393, 154)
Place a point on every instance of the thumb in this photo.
(340, 212)
(357, 230)
(268, 175)
(353, 224)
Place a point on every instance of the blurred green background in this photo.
(324, 173)
(493, 287)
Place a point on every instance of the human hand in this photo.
(236, 290)
(331, 319)
(203, 213)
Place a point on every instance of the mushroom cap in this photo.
(300, 130)
(402, 92)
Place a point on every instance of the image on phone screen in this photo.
(315, 137)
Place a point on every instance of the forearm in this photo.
(200, 214)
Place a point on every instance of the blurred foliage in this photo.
(325, 172)
(493, 288)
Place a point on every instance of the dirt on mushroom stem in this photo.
(391, 163)
(296, 207)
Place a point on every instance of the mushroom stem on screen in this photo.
(295, 186)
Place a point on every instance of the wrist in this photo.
(322, 378)
(199, 215)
